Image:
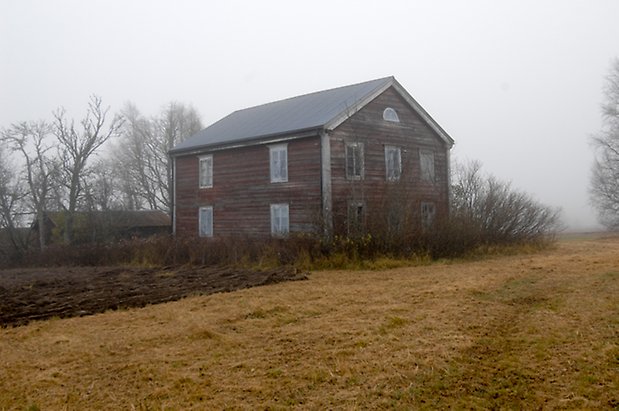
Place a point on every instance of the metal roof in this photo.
(115, 218)
(306, 113)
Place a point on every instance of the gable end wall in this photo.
(411, 134)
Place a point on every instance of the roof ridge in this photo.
(314, 93)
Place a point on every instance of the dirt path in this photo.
(30, 294)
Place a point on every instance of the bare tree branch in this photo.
(142, 152)
(76, 147)
(31, 141)
(604, 184)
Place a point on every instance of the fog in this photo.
(517, 84)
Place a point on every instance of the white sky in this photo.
(517, 84)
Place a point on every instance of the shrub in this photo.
(486, 214)
(487, 211)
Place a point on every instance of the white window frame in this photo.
(205, 228)
(356, 148)
(278, 162)
(427, 165)
(280, 219)
(389, 114)
(393, 169)
(205, 174)
(428, 214)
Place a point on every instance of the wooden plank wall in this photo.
(242, 192)
(411, 134)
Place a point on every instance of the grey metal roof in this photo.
(297, 114)
(323, 110)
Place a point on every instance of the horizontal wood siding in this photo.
(377, 195)
(242, 192)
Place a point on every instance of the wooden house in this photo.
(349, 160)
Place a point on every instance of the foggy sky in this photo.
(517, 84)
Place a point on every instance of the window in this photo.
(428, 212)
(393, 163)
(279, 219)
(279, 163)
(354, 161)
(356, 220)
(391, 115)
(206, 171)
(205, 221)
(426, 162)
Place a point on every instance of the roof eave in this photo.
(424, 114)
(252, 141)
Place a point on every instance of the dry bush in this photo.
(486, 215)
(492, 212)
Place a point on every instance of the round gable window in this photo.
(390, 115)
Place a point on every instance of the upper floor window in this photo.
(205, 221)
(280, 225)
(354, 161)
(206, 171)
(279, 163)
(426, 163)
(393, 163)
(390, 114)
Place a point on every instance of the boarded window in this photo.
(354, 161)
(390, 114)
(393, 163)
(426, 162)
(356, 218)
(206, 221)
(428, 212)
(279, 163)
(279, 220)
(206, 171)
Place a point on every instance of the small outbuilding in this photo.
(105, 226)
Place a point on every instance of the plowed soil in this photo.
(29, 294)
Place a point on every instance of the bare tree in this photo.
(604, 187)
(11, 205)
(142, 153)
(31, 141)
(101, 190)
(75, 149)
(176, 123)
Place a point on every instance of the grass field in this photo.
(517, 332)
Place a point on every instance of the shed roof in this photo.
(307, 113)
(118, 218)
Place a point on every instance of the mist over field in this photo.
(517, 84)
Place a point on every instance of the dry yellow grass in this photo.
(528, 331)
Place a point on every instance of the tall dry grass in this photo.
(511, 332)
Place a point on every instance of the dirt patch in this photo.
(32, 294)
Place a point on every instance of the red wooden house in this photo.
(348, 160)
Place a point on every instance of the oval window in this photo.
(390, 115)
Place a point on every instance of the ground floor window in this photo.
(205, 221)
(280, 225)
(428, 212)
(356, 218)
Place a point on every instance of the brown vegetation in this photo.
(523, 332)
(41, 293)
